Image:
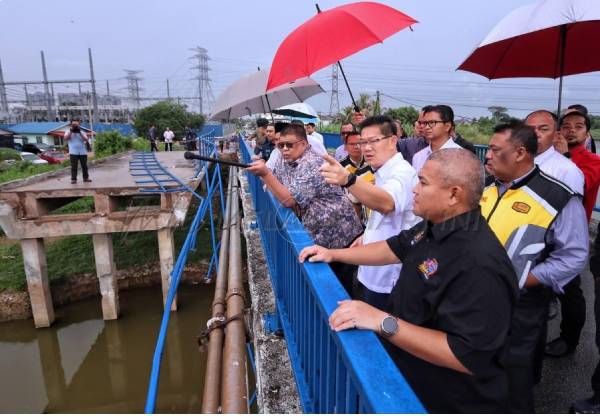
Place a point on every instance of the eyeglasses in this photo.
(287, 145)
(371, 141)
(354, 145)
(430, 123)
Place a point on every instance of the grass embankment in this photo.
(75, 254)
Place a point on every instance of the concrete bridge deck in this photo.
(27, 214)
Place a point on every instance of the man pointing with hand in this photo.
(389, 201)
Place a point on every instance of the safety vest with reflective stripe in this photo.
(522, 216)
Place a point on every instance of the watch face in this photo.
(389, 325)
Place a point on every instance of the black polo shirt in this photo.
(456, 278)
(264, 150)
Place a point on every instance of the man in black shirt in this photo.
(264, 150)
(447, 323)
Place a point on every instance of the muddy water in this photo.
(85, 365)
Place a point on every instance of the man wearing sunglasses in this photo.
(437, 124)
(389, 200)
(325, 211)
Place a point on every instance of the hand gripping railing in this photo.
(144, 165)
(336, 372)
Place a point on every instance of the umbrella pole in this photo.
(269, 107)
(348, 86)
(563, 45)
(343, 75)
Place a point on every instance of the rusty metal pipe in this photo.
(212, 376)
(234, 389)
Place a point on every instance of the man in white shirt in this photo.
(311, 132)
(390, 200)
(437, 124)
(548, 159)
(572, 302)
(168, 135)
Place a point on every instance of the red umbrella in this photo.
(333, 35)
(547, 39)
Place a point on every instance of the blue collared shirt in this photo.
(568, 235)
(76, 143)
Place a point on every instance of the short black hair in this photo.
(279, 126)
(77, 119)
(262, 122)
(386, 124)
(588, 122)
(297, 122)
(578, 107)
(294, 129)
(445, 111)
(520, 134)
(311, 124)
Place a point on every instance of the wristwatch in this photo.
(351, 181)
(389, 326)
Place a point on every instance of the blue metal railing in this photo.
(150, 166)
(345, 372)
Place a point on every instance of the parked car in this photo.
(36, 148)
(32, 158)
(53, 157)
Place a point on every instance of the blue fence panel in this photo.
(480, 151)
(331, 140)
(343, 372)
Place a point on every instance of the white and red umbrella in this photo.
(548, 39)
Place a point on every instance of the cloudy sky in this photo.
(155, 36)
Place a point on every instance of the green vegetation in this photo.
(20, 170)
(111, 142)
(75, 254)
(8, 154)
(166, 114)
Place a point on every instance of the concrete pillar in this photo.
(166, 250)
(36, 271)
(107, 275)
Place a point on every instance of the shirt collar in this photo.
(463, 221)
(545, 155)
(448, 143)
(516, 183)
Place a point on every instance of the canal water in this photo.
(83, 364)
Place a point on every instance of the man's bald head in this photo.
(461, 168)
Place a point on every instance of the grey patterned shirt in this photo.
(325, 211)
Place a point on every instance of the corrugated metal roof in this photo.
(37, 127)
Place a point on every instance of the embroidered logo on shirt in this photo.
(428, 267)
(521, 207)
(418, 237)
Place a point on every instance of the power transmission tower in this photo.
(334, 105)
(3, 100)
(205, 95)
(133, 86)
